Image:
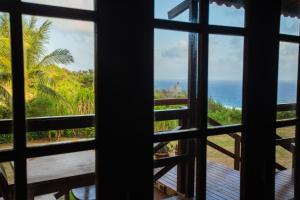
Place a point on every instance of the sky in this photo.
(225, 52)
(171, 47)
(74, 35)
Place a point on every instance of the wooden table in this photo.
(60, 173)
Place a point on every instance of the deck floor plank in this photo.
(223, 183)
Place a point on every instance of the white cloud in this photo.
(178, 51)
(225, 57)
(288, 61)
(80, 4)
(73, 25)
(171, 63)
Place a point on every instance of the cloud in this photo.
(73, 25)
(171, 63)
(178, 51)
(288, 61)
(225, 57)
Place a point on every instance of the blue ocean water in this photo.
(229, 93)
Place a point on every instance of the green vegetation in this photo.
(51, 90)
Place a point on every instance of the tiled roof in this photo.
(290, 8)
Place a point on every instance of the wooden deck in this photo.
(223, 183)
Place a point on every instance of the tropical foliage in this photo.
(50, 88)
(53, 90)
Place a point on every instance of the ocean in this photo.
(229, 93)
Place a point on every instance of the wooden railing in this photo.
(183, 114)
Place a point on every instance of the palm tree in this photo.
(36, 60)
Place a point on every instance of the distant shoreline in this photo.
(229, 92)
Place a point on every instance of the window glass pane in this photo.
(59, 71)
(177, 10)
(174, 55)
(289, 23)
(287, 79)
(223, 166)
(7, 177)
(225, 79)
(79, 4)
(229, 14)
(170, 64)
(284, 163)
(63, 175)
(6, 137)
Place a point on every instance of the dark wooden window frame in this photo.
(109, 78)
(103, 17)
(254, 12)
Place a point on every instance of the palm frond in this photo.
(40, 75)
(36, 38)
(32, 23)
(59, 56)
(45, 90)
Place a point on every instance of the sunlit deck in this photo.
(223, 183)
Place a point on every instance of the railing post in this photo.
(190, 169)
(293, 161)
(181, 167)
(186, 170)
(237, 153)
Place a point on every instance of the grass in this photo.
(283, 156)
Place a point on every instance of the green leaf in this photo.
(59, 56)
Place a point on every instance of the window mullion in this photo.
(19, 123)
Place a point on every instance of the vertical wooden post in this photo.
(202, 100)
(260, 99)
(124, 100)
(192, 85)
(237, 153)
(181, 167)
(18, 90)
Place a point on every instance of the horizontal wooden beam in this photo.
(225, 30)
(177, 26)
(7, 155)
(224, 130)
(167, 102)
(169, 161)
(286, 107)
(59, 148)
(289, 38)
(286, 122)
(176, 135)
(50, 11)
(285, 141)
(171, 114)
